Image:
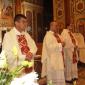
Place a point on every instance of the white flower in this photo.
(16, 81)
(30, 79)
(3, 63)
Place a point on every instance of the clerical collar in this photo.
(69, 31)
(17, 32)
(51, 32)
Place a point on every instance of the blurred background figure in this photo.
(52, 57)
(70, 55)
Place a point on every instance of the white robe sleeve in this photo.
(50, 46)
(31, 44)
(67, 40)
(52, 43)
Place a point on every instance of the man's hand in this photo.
(42, 81)
(29, 56)
(63, 44)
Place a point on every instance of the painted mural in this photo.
(59, 13)
(77, 13)
(6, 13)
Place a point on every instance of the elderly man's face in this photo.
(70, 28)
(55, 26)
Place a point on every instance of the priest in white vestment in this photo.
(11, 43)
(70, 54)
(52, 57)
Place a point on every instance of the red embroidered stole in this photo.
(74, 53)
(59, 41)
(23, 44)
(24, 49)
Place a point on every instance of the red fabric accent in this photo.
(24, 49)
(72, 38)
(74, 57)
(74, 53)
(23, 45)
(28, 70)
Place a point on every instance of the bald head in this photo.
(54, 26)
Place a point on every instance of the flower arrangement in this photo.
(10, 77)
(50, 82)
(30, 79)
